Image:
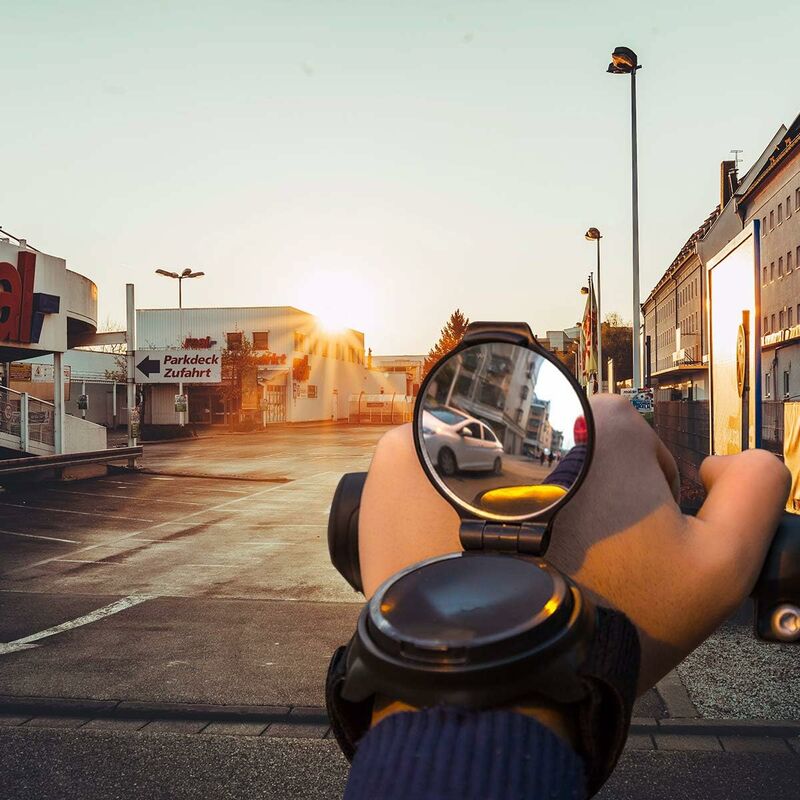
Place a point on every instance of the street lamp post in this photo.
(594, 235)
(187, 273)
(625, 62)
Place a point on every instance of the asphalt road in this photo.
(94, 766)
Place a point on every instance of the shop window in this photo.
(260, 340)
(234, 340)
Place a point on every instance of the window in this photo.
(763, 226)
(772, 325)
(780, 266)
(765, 276)
(789, 316)
(260, 340)
(767, 376)
(797, 198)
(772, 271)
(780, 213)
(781, 320)
(789, 262)
(772, 220)
(299, 342)
(766, 326)
(785, 383)
(234, 340)
(788, 207)
(312, 392)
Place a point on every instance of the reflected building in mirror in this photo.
(494, 386)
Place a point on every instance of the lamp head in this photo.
(593, 234)
(167, 273)
(623, 61)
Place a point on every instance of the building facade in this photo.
(299, 372)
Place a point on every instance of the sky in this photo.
(379, 163)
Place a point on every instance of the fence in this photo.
(772, 426)
(39, 427)
(380, 409)
(683, 426)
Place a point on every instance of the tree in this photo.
(618, 344)
(450, 337)
(239, 369)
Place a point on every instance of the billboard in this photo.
(734, 306)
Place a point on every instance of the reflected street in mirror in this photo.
(503, 429)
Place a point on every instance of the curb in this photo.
(646, 733)
(204, 475)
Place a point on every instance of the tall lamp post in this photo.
(187, 273)
(625, 62)
(594, 235)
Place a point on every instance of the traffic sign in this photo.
(178, 366)
(641, 399)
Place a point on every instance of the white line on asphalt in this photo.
(84, 561)
(26, 642)
(37, 536)
(128, 497)
(67, 511)
(133, 534)
(212, 565)
(161, 478)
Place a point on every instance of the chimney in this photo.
(23, 244)
(728, 180)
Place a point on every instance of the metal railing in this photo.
(26, 418)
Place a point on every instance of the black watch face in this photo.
(503, 430)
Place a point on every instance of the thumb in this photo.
(746, 496)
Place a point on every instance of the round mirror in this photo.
(503, 430)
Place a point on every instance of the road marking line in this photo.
(26, 642)
(67, 511)
(37, 536)
(128, 497)
(133, 534)
(84, 561)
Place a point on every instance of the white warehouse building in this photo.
(302, 373)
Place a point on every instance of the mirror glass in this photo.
(503, 429)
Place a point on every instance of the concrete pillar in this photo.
(58, 402)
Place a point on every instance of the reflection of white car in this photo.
(455, 441)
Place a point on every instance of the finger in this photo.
(746, 496)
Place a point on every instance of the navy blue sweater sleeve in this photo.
(451, 754)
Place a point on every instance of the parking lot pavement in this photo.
(216, 587)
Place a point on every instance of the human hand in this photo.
(622, 538)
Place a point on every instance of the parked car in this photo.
(457, 442)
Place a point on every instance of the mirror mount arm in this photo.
(526, 538)
(518, 333)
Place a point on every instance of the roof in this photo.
(688, 249)
(788, 144)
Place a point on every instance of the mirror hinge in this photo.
(528, 538)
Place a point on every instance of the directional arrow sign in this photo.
(178, 366)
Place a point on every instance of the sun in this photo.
(339, 300)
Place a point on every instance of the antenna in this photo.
(736, 159)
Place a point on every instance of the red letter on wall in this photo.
(10, 302)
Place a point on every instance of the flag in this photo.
(589, 339)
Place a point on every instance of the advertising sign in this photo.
(83, 402)
(641, 399)
(180, 403)
(178, 366)
(735, 361)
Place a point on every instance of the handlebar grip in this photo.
(777, 590)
